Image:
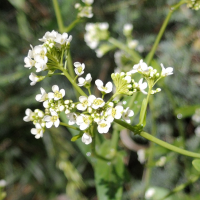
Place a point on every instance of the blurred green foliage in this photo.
(47, 168)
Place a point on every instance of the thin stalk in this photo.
(70, 66)
(77, 88)
(135, 56)
(151, 148)
(71, 26)
(158, 141)
(162, 30)
(115, 139)
(181, 187)
(58, 16)
(69, 126)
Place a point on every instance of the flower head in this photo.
(42, 97)
(126, 114)
(114, 113)
(103, 126)
(83, 121)
(29, 115)
(56, 94)
(72, 118)
(84, 103)
(52, 120)
(79, 68)
(87, 139)
(85, 81)
(108, 87)
(37, 131)
(49, 36)
(96, 102)
(166, 71)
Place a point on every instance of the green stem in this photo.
(70, 66)
(69, 126)
(151, 148)
(181, 187)
(58, 16)
(162, 30)
(89, 91)
(78, 89)
(115, 139)
(135, 56)
(158, 141)
(71, 26)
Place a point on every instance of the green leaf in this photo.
(76, 137)
(109, 176)
(186, 111)
(196, 164)
(142, 120)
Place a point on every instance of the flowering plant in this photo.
(93, 115)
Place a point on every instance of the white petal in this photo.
(56, 123)
(62, 91)
(88, 77)
(50, 95)
(49, 124)
(55, 88)
(47, 118)
(81, 107)
(77, 64)
(28, 111)
(38, 97)
(34, 131)
(91, 98)
(98, 83)
(83, 126)
(82, 98)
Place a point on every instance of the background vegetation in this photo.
(49, 167)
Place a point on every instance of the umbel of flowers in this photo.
(90, 110)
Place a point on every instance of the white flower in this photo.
(103, 26)
(52, 120)
(72, 118)
(127, 29)
(79, 68)
(83, 121)
(149, 193)
(2, 183)
(84, 103)
(161, 162)
(126, 114)
(41, 66)
(141, 155)
(132, 44)
(29, 115)
(96, 102)
(87, 139)
(86, 12)
(166, 71)
(103, 126)
(34, 78)
(85, 81)
(29, 63)
(89, 2)
(141, 66)
(57, 94)
(37, 131)
(114, 113)
(40, 54)
(142, 86)
(63, 39)
(49, 36)
(108, 87)
(42, 97)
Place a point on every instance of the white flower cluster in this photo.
(86, 10)
(95, 32)
(194, 4)
(43, 56)
(54, 104)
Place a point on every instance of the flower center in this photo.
(98, 102)
(103, 125)
(86, 120)
(85, 103)
(79, 69)
(54, 118)
(113, 112)
(58, 94)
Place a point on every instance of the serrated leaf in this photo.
(109, 176)
(76, 137)
(196, 164)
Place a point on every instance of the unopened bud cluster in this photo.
(194, 4)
